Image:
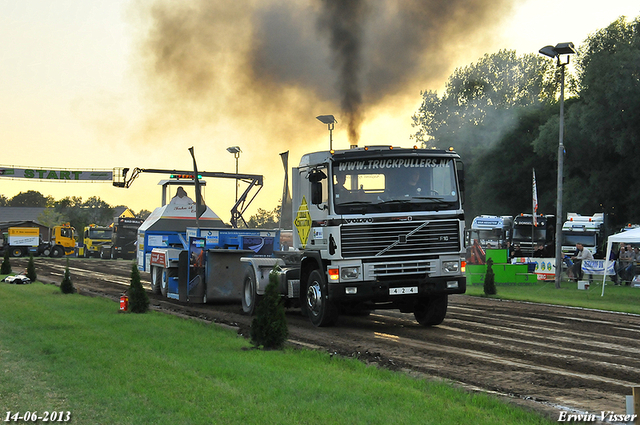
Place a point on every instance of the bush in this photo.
(66, 286)
(489, 280)
(6, 264)
(138, 298)
(269, 327)
(31, 270)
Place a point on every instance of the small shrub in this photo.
(6, 264)
(138, 298)
(66, 286)
(489, 280)
(269, 327)
(31, 270)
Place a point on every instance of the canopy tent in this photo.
(630, 236)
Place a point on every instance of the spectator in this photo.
(583, 254)
(626, 259)
(539, 251)
(517, 252)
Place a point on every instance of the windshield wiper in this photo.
(357, 206)
(415, 199)
(440, 199)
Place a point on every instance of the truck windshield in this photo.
(100, 234)
(523, 233)
(398, 184)
(574, 238)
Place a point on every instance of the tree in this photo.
(477, 98)
(138, 298)
(30, 198)
(3, 201)
(66, 286)
(602, 132)
(82, 213)
(269, 327)
(264, 219)
(31, 269)
(50, 217)
(6, 263)
(482, 104)
(143, 214)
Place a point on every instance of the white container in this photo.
(583, 284)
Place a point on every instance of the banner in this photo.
(597, 267)
(55, 174)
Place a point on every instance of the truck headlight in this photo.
(349, 273)
(450, 266)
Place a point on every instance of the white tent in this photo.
(630, 236)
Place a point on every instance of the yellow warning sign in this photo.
(303, 222)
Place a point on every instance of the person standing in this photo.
(581, 255)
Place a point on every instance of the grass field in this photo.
(616, 298)
(69, 353)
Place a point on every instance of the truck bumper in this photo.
(397, 290)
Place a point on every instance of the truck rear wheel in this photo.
(250, 297)
(321, 311)
(431, 311)
(164, 282)
(156, 279)
(17, 252)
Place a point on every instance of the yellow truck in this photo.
(94, 237)
(21, 241)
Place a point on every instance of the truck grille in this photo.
(407, 238)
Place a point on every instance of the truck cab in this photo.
(587, 230)
(94, 237)
(379, 227)
(527, 233)
(490, 231)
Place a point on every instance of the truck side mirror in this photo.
(316, 193)
(315, 177)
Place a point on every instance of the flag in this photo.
(285, 207)
(535, 200)
(200, 208)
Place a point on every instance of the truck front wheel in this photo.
(321, 311)
(250, 297)
(57, 252)
(431, 311)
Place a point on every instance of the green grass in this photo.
(79, 354)
(616, 298)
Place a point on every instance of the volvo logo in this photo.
(358, 220)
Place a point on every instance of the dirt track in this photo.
(546, 358)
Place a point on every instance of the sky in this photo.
(90, 84)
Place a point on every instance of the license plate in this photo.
(403, 290)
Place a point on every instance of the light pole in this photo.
(555, 52)
(330, 121)
(235, 150)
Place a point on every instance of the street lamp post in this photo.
(555, 52)
(330, 121)
(235, 150)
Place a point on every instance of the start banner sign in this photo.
(56, 174)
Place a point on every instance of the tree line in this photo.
(72, 209)
(501, 115)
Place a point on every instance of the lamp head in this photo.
(326, 119)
